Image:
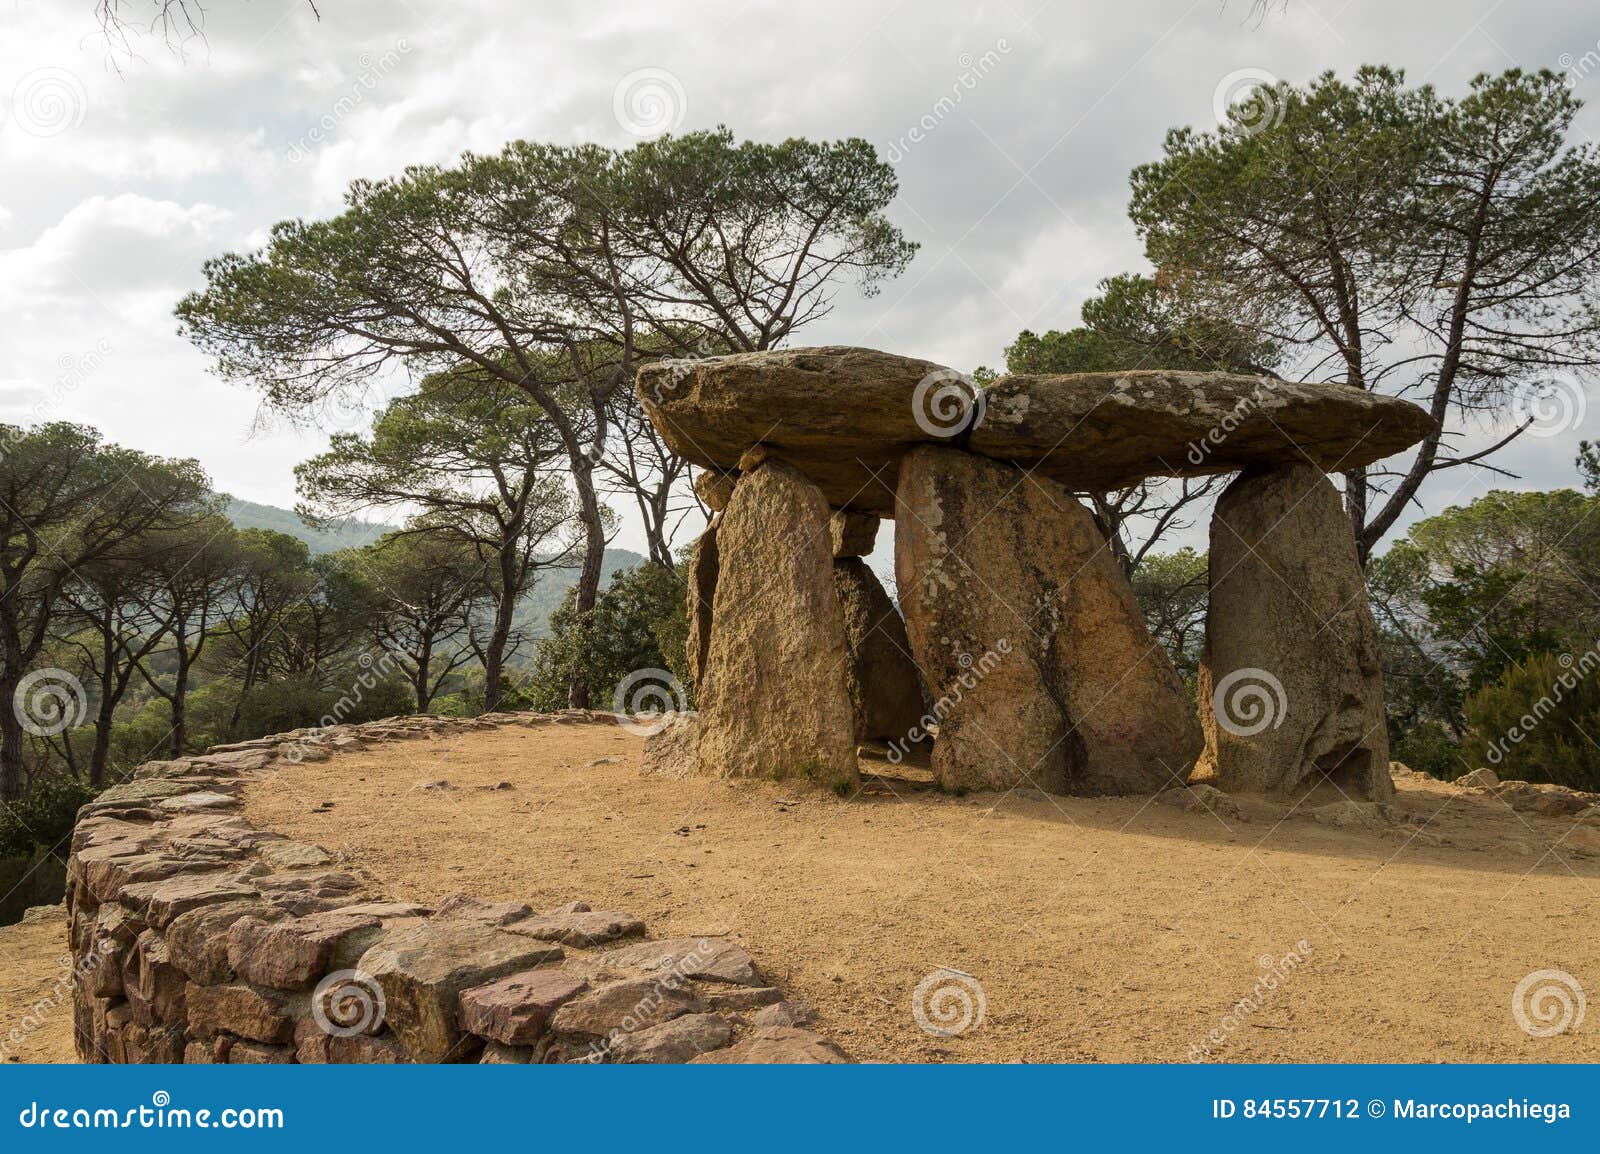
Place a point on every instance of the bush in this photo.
(639, 622)
(1535, 722)
(293, 703)
(42, 817)
(1428, 748)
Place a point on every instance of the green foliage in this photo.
(1394, 239)
(43, 816)
(1429, 748)
(1172, 590)
(326, 537)
(1139, 323)
(1499, 580)
(1537, 721)
(639, 622)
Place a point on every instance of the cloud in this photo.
(109, 247)
(1017, 193)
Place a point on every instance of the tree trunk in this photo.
(108, 705)
(420, 682)
(102, 741)
(1355, 504)
(494, 653)
(10, 740)
(594, 551)
(180, 708)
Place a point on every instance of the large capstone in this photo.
(1040, 666)
(848, 416)
(775, 699)
(884, 688)
(1291, 688)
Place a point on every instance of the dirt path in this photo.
(35, 998)
(1098, 930)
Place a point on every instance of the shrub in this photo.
(43, 816)
(639, 622)
(1536, 720)
(1428, 748)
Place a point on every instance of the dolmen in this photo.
(1018, 655)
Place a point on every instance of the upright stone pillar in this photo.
(775, 700)
(885, 691)
(1040, 666)
(702, 580)
(1291, 688)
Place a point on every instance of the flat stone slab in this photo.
(846, 416)
(708, 959)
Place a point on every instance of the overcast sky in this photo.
(120, 174)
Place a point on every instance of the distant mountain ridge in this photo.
(348, 534)
(533, 614)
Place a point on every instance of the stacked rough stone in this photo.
(198, 938)
(1022, 651)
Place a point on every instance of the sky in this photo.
(125, 164)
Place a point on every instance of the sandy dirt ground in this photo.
(35, 994)
(1096, 929)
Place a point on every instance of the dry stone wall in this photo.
(202, 939)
